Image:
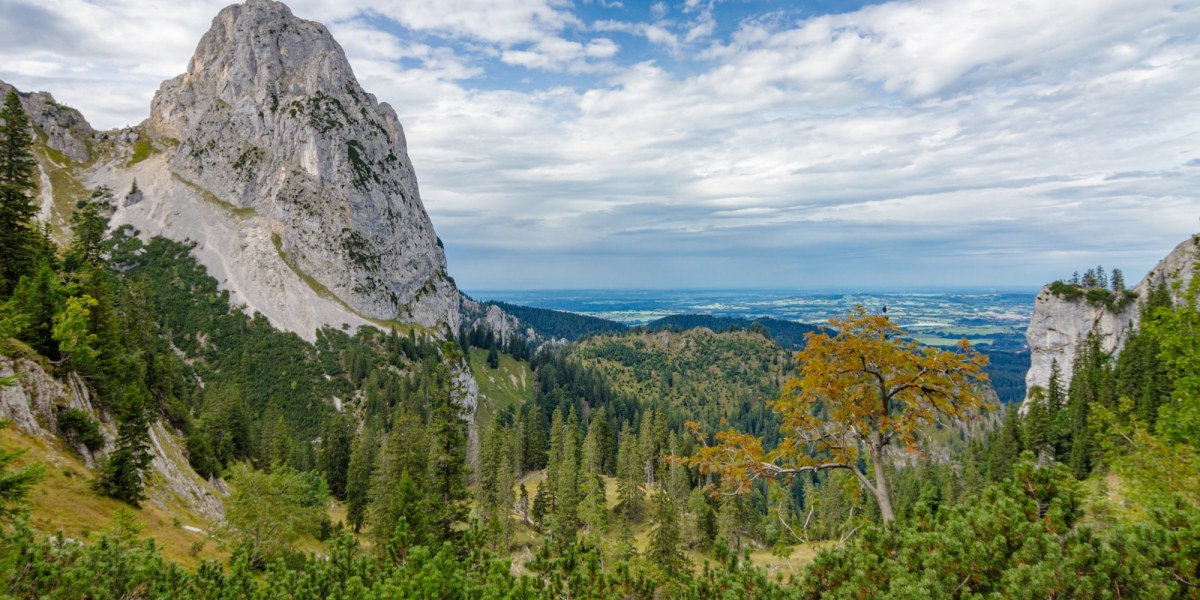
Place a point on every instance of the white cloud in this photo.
(1019, 136)
(559, 55)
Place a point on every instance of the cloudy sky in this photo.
(721, 143)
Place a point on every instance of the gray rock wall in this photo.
(270, 119)
(1058, 325)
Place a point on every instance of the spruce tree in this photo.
(448, 449)
(593, 506)
(664, 551)
(123, 471)
(400, 490)
(358, 478)
(566, 517)
(16, 194)
(630, 475)
(15, 484)
(494, 489)
(1091, 383)
(336, 446)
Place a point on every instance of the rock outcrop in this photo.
(33, 405)
(270, 120)
(1059, 324)
(64, 128)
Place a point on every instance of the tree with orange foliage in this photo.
(866, 389)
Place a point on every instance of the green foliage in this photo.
(79, 427)
(16, 193)
(788, 334)
(1020, 539)
(268, 511)
(89, 222)
(1177, 331)
(337, 434)
(122, 474)
(76, 343)
(1091, 384)
(358, 478)
(15, 484)
(665, 540)
(1113, 300)
(559, 324)
(697, 375)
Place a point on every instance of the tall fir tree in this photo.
(400, 490)
(17, 165)
(631, 475)
(566, 514)
(358, 478)
(122, 475)
(448, 445)
(1091, 383)
(1140, 372)
(593, 505)
(665, 541)
(337, 436)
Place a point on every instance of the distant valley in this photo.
(994, 321)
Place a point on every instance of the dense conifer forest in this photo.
(648, 463)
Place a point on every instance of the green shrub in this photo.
(79, 427)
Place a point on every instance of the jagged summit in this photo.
(270, 120)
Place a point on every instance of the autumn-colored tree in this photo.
(863, 390)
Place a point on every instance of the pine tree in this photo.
(1140, 372)
(630, 475)
(1006, 447)
(336, 446)
(679, 480)
(89, 222)
(123, 472)
(16, 194)
(702, 521)
(593, 505)
(1037, 423)
(548, 491)
(448, 445)
(494, 489)
(35, 302)
(665, 540)
(15, 484)
(566, 517)
(1091, 383)
(649, 446)
(400, 490)
(358, 478)
(1118, 281)
(730, 523)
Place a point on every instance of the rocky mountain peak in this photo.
(270, 120)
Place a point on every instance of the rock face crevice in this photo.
(1060, 324)
(270, 119)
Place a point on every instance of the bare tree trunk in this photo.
(882, 497)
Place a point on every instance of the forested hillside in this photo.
(788, 334)
(559, 324)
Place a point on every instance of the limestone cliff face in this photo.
(1059, 324)
(64, 128)
(270, 120)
